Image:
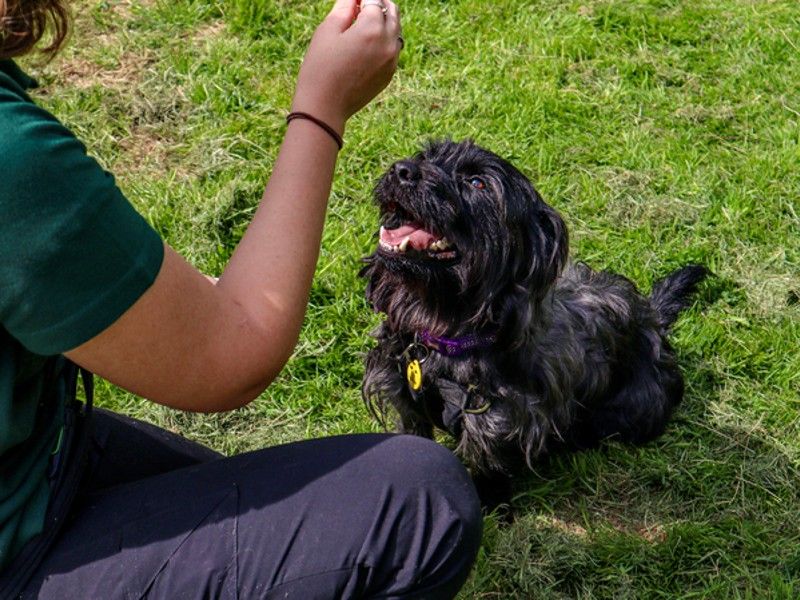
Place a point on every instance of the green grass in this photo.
(665, 131)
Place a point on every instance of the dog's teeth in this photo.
(435, 245)
(404, 244)
(444, 244)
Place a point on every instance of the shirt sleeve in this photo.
(74, 254)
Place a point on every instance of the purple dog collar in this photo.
(455, 347)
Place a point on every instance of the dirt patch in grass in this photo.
(604, 517)
(564, 526)
(144, 151)
(147, 148)
(126, 9)
(633, 202)
(209, 31)
(654, 533)
(81, 73)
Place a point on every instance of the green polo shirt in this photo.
(74, 256)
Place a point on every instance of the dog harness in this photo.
(457, 400)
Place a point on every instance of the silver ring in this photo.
(377, 3)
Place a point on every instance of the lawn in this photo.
(665, 131)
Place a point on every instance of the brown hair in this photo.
(24, 22)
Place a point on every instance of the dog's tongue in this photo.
(418, 238)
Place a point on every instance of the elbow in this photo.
(224, 398)
(241, 390)
(243, 365)
(244, 396)
(223, 401)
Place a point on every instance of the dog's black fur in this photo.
(579, 356)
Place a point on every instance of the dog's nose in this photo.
(407, 171)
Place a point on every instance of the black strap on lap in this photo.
(65, 481)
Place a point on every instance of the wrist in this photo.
(332, 118)
(319, 123)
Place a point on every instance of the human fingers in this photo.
(343, 70)
(392, 19)
(372, 11)
(343, 13)
(393, 26)
(383, 20)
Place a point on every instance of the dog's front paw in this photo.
(495, 490)
(411, 424)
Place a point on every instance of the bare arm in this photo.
(193, 345)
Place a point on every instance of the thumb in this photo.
(343, 13)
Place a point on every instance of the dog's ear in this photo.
(544, 242)
(553, 244)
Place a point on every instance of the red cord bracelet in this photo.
(328, 129)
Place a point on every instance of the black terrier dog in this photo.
(492, 335)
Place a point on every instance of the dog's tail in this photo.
(673, 293)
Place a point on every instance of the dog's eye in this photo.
(477, 183)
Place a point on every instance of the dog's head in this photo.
(464, 238)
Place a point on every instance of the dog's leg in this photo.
(411, 422)
(494, 490)
(384, 387)
(637, 413)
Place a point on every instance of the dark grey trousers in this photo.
(359, 516)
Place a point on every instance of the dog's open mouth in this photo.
(413, 240)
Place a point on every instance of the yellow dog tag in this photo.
(414, 375)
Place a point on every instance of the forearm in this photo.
(270, 273)
(194, 344)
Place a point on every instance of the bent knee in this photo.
(414, 461)
(428, 478)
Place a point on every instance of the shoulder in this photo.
(28, 130)
(26, 127)
(42, 161)
(74, 254)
